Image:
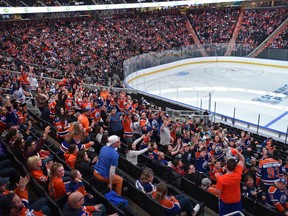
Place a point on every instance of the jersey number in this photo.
(273, 172)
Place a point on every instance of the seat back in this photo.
(248, 204)
(153, 207)
(210, 200)
(62, 201)
(158, 169)
(99, 198)
(135, 194)
(129, 168)
(102, 187)
(263, 210)
(55, 208)
(190, 188)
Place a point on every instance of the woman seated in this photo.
(173, 204)
(144, 183)
(34, 164)
(71, 155)
(85, 165)
(56, 185)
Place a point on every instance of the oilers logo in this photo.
(283, 198)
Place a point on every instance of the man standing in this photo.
(104, 169)
(115, 121)
(83, 119)
(228, 185)
(165, 133)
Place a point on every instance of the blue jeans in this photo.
(185, 204)
(225, 208)
(41, 204)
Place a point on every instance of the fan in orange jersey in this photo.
(128, 132)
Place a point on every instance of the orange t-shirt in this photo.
(70, 159)
(39, 176)
(229, 185)
(57, 188)
(83, 119)
(24, 79)
(104, 94)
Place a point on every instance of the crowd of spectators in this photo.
(97, 48)
(271, 3)
(193, 149)
(258, 24)
(79, 114)
(280, 41)
(214, 25)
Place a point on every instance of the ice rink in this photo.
(251, 89)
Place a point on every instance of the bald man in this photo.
(75, 207)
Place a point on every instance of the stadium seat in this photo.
(263, 210)
(248, 204)
(129, 168)
(62, 201)
(210, 200)
(99, 198)
(98, 185)
(190, 188)
(153, 208)
(135, 194)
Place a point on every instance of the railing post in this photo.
(234, 113)
(214, 111)
(209, 102)
(286, 136)
(197, 98)
(258, 123)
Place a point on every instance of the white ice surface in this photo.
(231, 85)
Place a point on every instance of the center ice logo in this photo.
(182, 73)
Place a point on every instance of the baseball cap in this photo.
(112, 139)
(283, 180)
(4, 180)
(86, 109)
(205, 182)
(231, 139)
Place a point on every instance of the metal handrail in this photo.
(234, 213)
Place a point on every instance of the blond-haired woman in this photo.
(34, 164)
